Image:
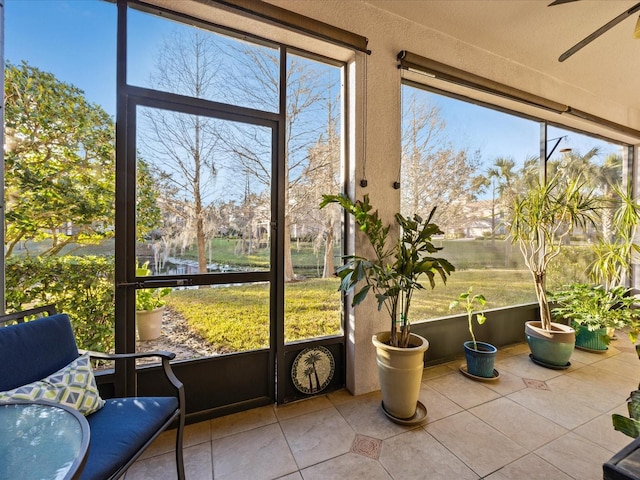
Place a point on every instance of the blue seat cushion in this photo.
(120, 429)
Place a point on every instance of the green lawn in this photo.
(236, 318)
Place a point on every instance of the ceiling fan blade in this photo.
(560, 2)
(607, 26)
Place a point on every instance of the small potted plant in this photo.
(480, 356)
(150, 305)
(393, 274)
(592, 311)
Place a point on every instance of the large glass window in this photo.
(177, 58)
(469, 161)
(206, 189)
(203, 181)
(314, 166)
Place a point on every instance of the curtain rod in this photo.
(441, 71)
(294, 21)
(603, 121)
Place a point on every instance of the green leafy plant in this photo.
(81, 287)
(594, 307)
(630, 425)
(542, 219)
(393, 273)
(149, 298)
(469, 301)
(613, 252)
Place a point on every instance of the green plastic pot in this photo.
(591, 340)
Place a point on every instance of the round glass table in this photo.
(42, 440)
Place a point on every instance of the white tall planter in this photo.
(400, 373)
(149, 323)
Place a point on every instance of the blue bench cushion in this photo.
(34, 350)
(120, 429)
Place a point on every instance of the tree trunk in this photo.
(288, 263)
(202, 253)
(315, 373)
(541, 294)
(329, 267)
(493, 222)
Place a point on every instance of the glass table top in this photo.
(41, 441)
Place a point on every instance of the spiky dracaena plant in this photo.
(395, 270)
(540, 222)
(615, 249)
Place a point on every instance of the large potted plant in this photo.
(540, 222)
(150, 305)
(592, 311)
(393, 274)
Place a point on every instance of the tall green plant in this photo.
(541, 221)
(394, 272)
(613, 252)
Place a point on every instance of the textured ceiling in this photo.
(530, 33)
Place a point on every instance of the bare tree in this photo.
(435, 173)
(307, 90)
(323, 176)
(184, 146)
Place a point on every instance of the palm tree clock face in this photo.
(312, 370)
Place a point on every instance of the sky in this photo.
(82, 51)
(497, 134)
(76, 41)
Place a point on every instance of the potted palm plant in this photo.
(150, 305)
(393, 274)
(541, 220)
(480, 356)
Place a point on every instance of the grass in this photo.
(236, 318)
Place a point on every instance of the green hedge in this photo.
(82, 287)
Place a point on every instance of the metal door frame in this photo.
(128, 380)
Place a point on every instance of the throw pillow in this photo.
(73, 386)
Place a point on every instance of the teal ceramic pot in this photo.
(550, 348)
(591, 340)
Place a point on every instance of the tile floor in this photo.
(531, 423)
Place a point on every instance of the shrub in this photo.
(82, 287)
